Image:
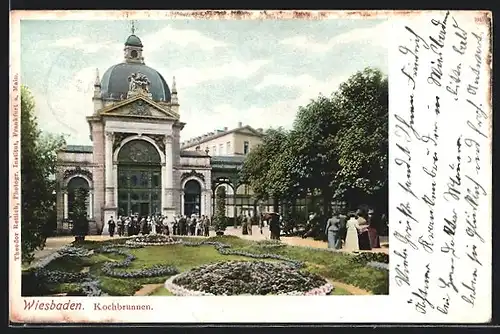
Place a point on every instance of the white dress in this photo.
(351, 240)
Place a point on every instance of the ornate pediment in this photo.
(77, 171)
(194, 173)
(140, 106)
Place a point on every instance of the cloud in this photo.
(63, 110)
(278, 113)
(154, 41)
(191, 76)
(84, 45)
(375, 36)
(182, 37)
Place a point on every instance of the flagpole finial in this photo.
(133, 27)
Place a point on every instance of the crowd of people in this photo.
(354, 231)
(179, 225)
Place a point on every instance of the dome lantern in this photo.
(133, 48)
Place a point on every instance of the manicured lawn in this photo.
(332, 266)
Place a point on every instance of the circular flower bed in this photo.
(153, 240)
(247, 278)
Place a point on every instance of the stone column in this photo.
(115, 184)
(65, 205)
(182, 202)
(109, 170)
(203, 207)
(91, 204)
(163, 189)
(169, 176)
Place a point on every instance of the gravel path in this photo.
(293, 241)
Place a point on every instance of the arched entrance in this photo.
(139, 179)
(192, 198)
(74, 184)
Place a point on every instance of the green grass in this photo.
(332, 266)
(161, 292)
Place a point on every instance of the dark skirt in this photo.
(364, 241)
(374, 239)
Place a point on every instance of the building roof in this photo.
(78, 148)
(234, 159)
(133, 40)
(219, 133)
(115, 82)
(194, 154)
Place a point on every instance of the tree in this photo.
(79, 215)
(265, 167)
(38, 165)
(312, 141)
(220, 220)
(362, 144)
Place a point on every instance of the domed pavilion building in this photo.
(137, 164)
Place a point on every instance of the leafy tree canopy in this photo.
(38, 166)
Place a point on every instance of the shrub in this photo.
(366, 257)
(220, 219)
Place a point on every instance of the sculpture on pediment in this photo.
(194, 173)
(77, 171)
(139, 108)
(138, 82)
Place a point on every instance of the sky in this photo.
(258, 72)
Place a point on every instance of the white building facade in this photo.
(135, 164)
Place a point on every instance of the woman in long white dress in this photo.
(351, 240)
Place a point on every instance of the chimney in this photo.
(225, 128)
(240, 124)
(260, 130)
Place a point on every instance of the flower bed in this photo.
(270, 244)
(364, 258)
(152, 240)
(72, 251)
(224, 249)
(378, 265)
(247, 278)
(88, 285)
(108, 268)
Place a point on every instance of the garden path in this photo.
(55, 243)
(147, 289)
(295, 241)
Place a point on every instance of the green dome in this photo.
(133, 40)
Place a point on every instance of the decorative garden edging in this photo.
(224, 249)
(153, 240)
(378, 265)
(276, 277)
(88, 284)
(154, 271)
(67, 250)
(270, 244)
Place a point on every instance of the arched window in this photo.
(192, 198)
(138, 152)
(74, 184)
(139, 179)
